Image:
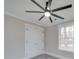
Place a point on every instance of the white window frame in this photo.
(59, 27)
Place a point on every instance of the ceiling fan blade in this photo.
(38, 4)
(62, 8)
(57, 16)
(46, 6)
(50, 19)
(41, 17)
(34, 11)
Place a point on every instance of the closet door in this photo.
(34, 41)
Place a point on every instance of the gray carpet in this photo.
(44, 56)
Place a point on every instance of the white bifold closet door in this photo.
(34, 40)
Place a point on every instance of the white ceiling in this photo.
(17, 8)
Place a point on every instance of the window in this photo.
(66, 36)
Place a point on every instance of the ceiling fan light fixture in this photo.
(47, 14)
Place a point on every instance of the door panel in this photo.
(35, 41)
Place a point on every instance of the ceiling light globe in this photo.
(47, 14)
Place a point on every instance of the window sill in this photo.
(68, 50)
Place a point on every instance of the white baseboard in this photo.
(57, 56)
(51, 54)
(33, 56)
(38, 54)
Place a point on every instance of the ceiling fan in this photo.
(47, 12)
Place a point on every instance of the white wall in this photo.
(14, 42)
(51, 41)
